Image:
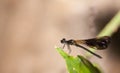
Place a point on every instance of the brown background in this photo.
(29, 30)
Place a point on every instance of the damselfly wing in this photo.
(96, 43)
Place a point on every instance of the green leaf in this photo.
(78, 64)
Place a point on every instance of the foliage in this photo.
(78, 64)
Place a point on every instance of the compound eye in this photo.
(63, 40)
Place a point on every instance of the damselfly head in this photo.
(63, 40)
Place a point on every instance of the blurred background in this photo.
(29, 30)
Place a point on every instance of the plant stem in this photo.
(111, 27)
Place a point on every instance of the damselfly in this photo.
(95, 43)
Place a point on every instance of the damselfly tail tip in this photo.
(99, 57)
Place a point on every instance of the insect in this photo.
(95, 43)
